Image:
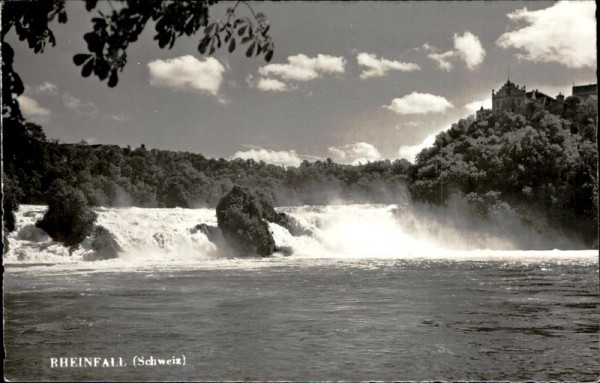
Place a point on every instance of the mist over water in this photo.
(335, 232)
(456, 226)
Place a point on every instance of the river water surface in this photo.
(378, 292)
(364, 319)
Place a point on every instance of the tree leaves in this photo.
(210, 28)
(250, 50)
(94, 42)
(101, 69)
(265, 31)
(62, 17)
(113, 80)
(90, 4)
(269, 55)
(87, 68)
(112, 33)
(260, 17)
(79, 59)
(12, 86)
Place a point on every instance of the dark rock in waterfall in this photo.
(268, 211)
(282, 219)
(104, 244)
(213, 233)
(295, 227)
(242, 217)
(286, 251)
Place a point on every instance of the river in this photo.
(384, 305)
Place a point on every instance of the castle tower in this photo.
(509, 97)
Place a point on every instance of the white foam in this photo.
(145, 235)
(332, 235)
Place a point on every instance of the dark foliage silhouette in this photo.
(114, 30)
(68, 219)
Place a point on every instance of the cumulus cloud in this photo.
(409, 152)
(419, 103)
(272, 85)
(76, 105)
(269, 84)
(303, 68)
(443, 59)
(378, 67)
(188, 73)
(282, 158)
(360, 152)
(564, 33)
(467, 48)
(45, 88)
(31, 108)
(477, 104)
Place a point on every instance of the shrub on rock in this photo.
(241, 220)
(32, 233)
(68, 218)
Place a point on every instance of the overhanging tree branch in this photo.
(112, 34)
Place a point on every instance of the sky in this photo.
(350, 81)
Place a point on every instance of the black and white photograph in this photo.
(201, 190)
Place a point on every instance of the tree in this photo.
(25, 156)
(112, 33)
(68, 218)
(534, 164)
(10, 203)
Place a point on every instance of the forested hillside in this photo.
(114, 176)
(542, 166)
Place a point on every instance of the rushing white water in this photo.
(347, 233)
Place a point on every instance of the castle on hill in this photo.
(517, 99)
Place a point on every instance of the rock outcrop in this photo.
(213, 233)
(104, 244)
(68, 219)
(242, 217)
